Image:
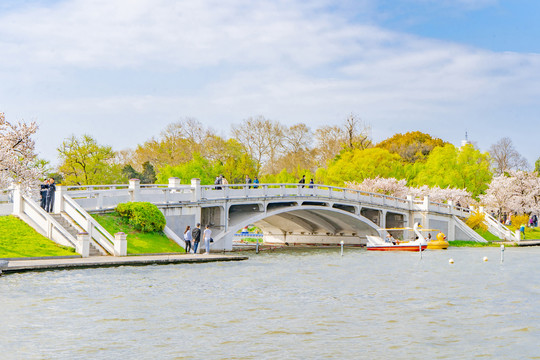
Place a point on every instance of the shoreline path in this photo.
(48, 264)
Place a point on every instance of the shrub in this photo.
(518, 220)
(476, 221)
(144, 216)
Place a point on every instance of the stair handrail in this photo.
(82, 218)
(466, 229)
(52, 224)
(502, 231)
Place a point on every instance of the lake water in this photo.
(282, 305)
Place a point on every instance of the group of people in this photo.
(47, 194)
(193, 238)
(255, 182)
(303, 181)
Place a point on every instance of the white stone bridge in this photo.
(289, 214)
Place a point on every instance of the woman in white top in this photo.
(207, 235)
(187, 238)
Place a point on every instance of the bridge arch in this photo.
(305, 224)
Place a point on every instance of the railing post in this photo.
(451, 206)
(120, 244)
(17, 199)
(83, 244)
(135, 189)
(174, 183)
(58, 205)
(410, 201)
(426, 203)
(100, 200)
(195, 190)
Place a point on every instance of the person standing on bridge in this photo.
(302, 180)
(187, 238)
(196, 237)
(50, 196)
(207, 235)
(43, 193)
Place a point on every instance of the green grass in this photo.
(138, 242)
(462, 243)
(18, 239)
(487, 235)
(532, 234)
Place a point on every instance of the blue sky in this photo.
(122, 70)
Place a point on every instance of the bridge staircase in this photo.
(73, 229)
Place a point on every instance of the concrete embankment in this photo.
(14, 266)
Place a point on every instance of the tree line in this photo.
(342, 154)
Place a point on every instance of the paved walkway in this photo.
(110, 261)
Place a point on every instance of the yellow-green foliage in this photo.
(476, 221)
(518, 220)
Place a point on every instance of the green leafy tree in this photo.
(464, 167)
(198, 167)
(357, 165)
(148, 175)
(537, 166)
(84, 162)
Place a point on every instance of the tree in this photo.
(462, 168)
(357, 133)
(84, 162)
(331, 140)
(514, 191)
(357, 165)
(262, 139)
(412, 146)
(18, 162)
(537, 166)
(505, 157)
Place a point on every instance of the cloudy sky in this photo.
(121, 70)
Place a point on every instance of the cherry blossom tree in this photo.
(17, 155)
(517, 192)
(398, 188)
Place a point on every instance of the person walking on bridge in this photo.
(196, 236)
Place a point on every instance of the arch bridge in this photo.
(291, 214)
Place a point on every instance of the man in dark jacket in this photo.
(196, 234)
(50, 196)
(43, 193)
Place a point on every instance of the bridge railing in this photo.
(102, 197)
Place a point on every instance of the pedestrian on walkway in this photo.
(50, 196)
(187, 238)
(302, 180)
(196, 236)
(207, 235)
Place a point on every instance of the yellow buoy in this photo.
(485, 258)
(451, 261)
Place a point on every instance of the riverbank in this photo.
(24, 265)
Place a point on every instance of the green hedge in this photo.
(144, 216)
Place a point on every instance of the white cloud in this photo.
(287, 60)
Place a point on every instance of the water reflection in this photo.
(286, 304)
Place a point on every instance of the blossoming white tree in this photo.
(17, 155)
(398, 188)
(517, 192)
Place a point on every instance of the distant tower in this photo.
(466, 141)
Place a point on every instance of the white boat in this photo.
(377, 243)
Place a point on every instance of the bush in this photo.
(476, 221)
(144, 216)
(518, 220)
